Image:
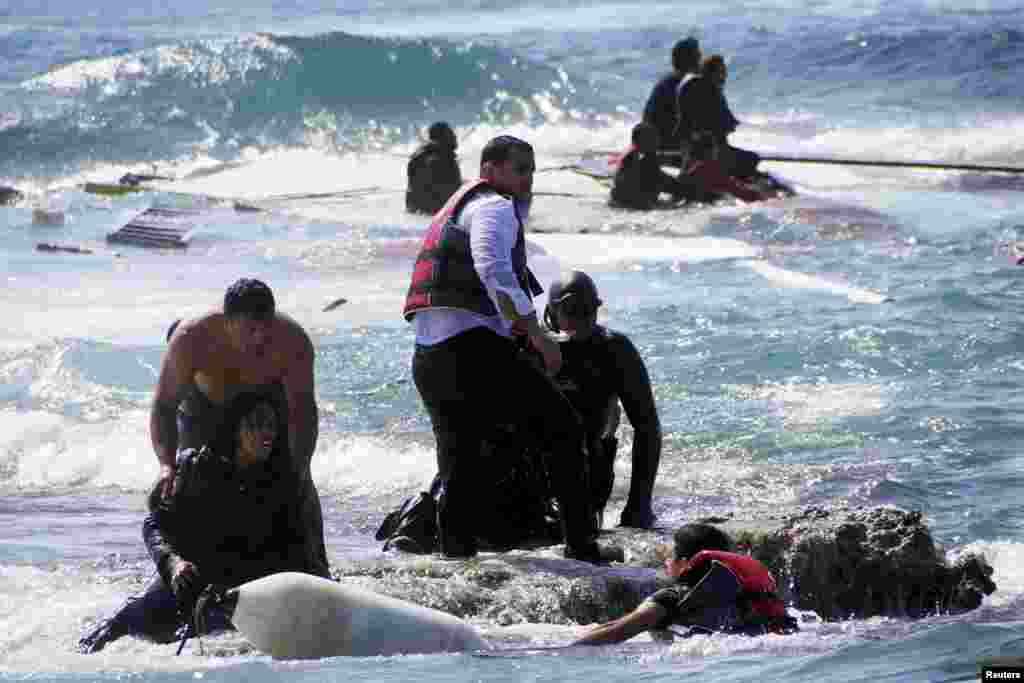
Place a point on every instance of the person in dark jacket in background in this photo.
(661, 108)
(433, 171)
(233, 517)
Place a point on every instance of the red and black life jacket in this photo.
(759, 592)
(443, 275)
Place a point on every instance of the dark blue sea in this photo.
(858, 344)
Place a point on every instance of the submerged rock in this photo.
(838, 563)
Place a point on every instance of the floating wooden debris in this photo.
(334, 304)
(158, 227)
(68, 248)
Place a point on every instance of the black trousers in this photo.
(473, 385)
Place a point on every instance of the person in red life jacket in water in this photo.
(710, 178)
(470, 299)
(639, 179)
(433, 171)
(715, 590)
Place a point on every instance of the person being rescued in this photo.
(233, 518)
(640, 181)
(601, 369)
(433, 171)
(716, 590)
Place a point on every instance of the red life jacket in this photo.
(759, 589)
(443, 275)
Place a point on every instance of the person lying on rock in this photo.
(715, 590)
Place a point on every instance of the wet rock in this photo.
(869, 561)
(838, 563)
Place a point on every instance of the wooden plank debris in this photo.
(158, 227)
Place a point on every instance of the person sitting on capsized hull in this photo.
(233, 517)
(639, 180)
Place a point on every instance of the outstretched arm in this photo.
(644, 617)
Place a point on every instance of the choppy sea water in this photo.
(856, 344)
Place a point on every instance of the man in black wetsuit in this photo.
(661, 110)
(433, 171)
(601, 369)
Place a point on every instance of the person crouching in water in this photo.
(639, 180)
(233, 518)
(433, 171)
(715, 590)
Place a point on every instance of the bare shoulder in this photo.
(193, 334)
(294, 340)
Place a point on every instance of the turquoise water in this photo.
(857, 344)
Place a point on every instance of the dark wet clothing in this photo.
(661, 110)
(640, 180)
(596, 375)
(713, 595)
(9, 195)
(703, 110)
(235, 525)
(200, 421)
(473, 385)
(433, 176)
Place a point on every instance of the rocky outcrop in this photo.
(838, 563)
(864, 562)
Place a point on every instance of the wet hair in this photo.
(170, 330)
(225, 444)
(711, 64)
(573, 285)
(686, 55)
(690, 539)
(499, 149)
(240, 407)
(645, 135)
(441, 133)
(251, 298)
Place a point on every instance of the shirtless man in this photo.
(248, 346)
